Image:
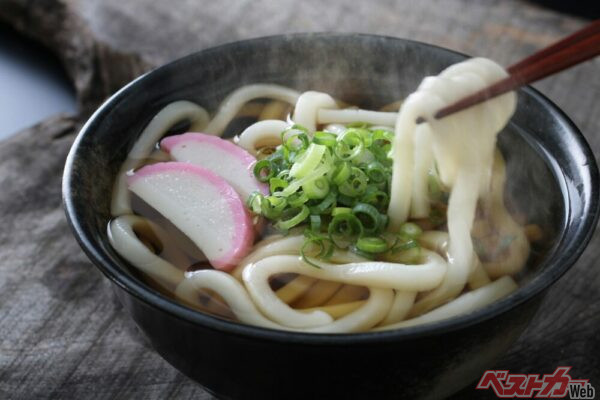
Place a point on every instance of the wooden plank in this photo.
(62, 335)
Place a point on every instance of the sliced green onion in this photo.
(346, 200)
(297, 199)
(404, 245)
(253, 202)
(372, 244)
(325, 246)
(277, 160)
(272, 207)
(340, 210)
(383, 221)
(295, 138)
(324, 205)
(277, 184)
(317, 188)
(325, 138)
(296, 219)
(263, 170)
(364, 158)
(297, 183)
(377, 198)
(376, 172)
(349, 145)
(410, 230)
(339, 184)
(299, 128)
(382, 134)
(308, 161)
(289, 156)
(346, 226)
(305, 257)
(341, 173)
(315, 223)
(283, 174)
(357, 183)
(358, 124)
(365, 134)
(369, 216)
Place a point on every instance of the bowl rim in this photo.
(154, 299)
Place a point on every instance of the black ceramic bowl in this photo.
(550, 166)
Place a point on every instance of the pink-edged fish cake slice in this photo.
(222, 157)
(202, 205)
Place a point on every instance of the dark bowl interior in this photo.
(552, 177)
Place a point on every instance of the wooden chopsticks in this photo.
(574, 49)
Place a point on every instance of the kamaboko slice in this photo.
(200, 204)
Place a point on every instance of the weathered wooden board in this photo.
(61, 333)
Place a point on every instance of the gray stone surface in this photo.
(62, 335)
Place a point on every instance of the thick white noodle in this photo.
(387, 275)
(364, 318)
(350, 115)
(436, 241)
(260, 134)
(463, 304)
(236, 297)
(403, 302)
(159, 125)
(305, 112)
(234, 102)
(230, 289)
(419, 205)
(287, 245)
(256, 276)
(403, 155)
(125, 242)
(461, 212)
(383, 127)
(256, 279)
(463, 146)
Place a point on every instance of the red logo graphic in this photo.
(550, 386)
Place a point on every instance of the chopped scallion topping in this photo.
(338, 187)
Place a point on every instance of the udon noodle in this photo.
(273, 286)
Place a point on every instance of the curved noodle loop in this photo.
(234, 102)
(372, 274)
(260, 134)
(124, 240)
(229, 289)
(308, 104)
(163, 121)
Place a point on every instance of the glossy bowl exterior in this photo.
(239, 361)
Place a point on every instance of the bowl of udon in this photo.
(283, 217)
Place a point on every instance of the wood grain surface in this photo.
(61, 333)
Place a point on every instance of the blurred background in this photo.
(34, 84)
